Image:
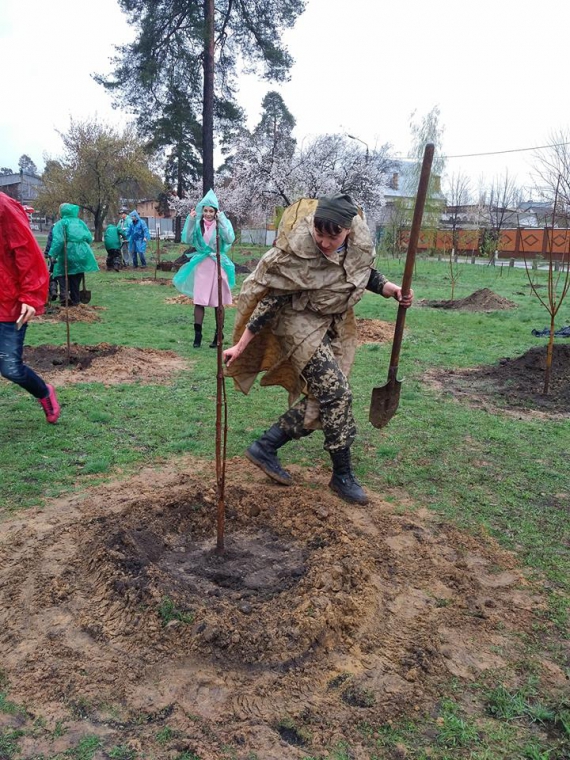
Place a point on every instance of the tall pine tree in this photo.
(190, 49)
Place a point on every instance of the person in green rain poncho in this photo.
(198, 279)
(71, 240)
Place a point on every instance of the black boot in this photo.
(263, 453)
(343, 482)
(214, 343)
(197, 336)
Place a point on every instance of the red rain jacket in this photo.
(24, 277)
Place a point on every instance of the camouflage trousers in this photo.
(329, 386)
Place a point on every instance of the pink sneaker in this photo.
(50, 405)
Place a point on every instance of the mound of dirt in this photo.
(480, 300)
(181, 299)
(155, 281)
(103, 363)
(374, 331)
(514, 384)
(81, 313)
(148, 280)
(327, 614)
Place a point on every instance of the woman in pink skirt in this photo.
(199, 277)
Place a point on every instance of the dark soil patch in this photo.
(291, 735)
(46, 358)
(102, 363)
(481, 300)
(515, 384)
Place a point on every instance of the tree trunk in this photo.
(180, 192)
(98, 224)
(208, 105)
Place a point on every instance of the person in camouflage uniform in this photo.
(298, 304)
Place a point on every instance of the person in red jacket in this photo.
(24, 280)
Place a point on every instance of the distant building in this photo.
(403, 186)
(148, 210)
(22, 187)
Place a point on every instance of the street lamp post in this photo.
(352, 137)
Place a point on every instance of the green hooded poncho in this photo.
(72, 230)
(192, 235)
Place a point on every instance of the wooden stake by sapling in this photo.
(157, 262)
(558, 287)
(221, 403)
(66, 291)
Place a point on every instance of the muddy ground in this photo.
(514, 385)
(80, 313)
(103, 363)
(118, 617)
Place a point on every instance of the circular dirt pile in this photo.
(480, 300)
(328, 614)
(103, 363)
(181, 299)
(80, 313)
(146, 280)
(515, 384)
(374, 331)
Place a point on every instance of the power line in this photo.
(492, 153)
(513, 150)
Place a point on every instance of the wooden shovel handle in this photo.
(411, 256)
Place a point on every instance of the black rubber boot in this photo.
(214, 343)
(343, 482)
(263, 453)
(197, 336)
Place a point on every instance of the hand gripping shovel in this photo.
(385, 400)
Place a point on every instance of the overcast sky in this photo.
(497, 70)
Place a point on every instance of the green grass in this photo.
(167, 612)
(504, 475)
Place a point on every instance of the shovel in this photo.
(385, 400)
(84, 294)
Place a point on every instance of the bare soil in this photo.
(118, 616)
(80, 313)
(480, 300)
(181, 299)
(374, 331)
(147, 280)
(103, 363)
(515, 384)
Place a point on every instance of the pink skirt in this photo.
(206, 285)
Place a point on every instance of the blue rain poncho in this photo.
(138, 234)
(192, 235)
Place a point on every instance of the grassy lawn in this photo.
(507, 475)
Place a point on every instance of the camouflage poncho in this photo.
(323, 293)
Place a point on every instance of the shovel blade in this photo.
(384, 403)
(85, 296)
